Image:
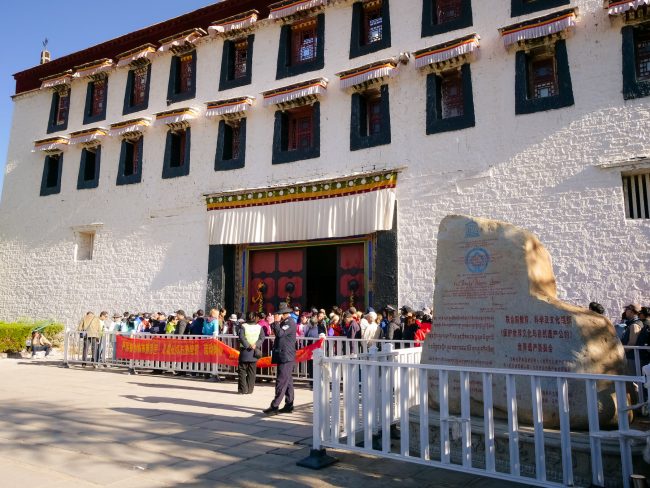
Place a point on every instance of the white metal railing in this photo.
(79, 349)
(358, 402)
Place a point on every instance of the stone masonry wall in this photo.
(538, 171)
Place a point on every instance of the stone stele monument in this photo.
(496, 306)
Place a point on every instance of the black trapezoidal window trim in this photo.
(285, 68)
(224, 160)
(90, 90)
(52, 126)
(357, 45)
(173, 87)
(89, 156)
(52, 170)
(523, 7)
(431, 26)
(176, 165)
(126, 151)
(129, 107)
(632, 86)
(360, 137)
(281, 153)
(227, 79)
(435, 121)
(564, 98)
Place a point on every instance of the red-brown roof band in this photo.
(30, 79)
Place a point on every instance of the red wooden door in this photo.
(276, 276)
(351, 276)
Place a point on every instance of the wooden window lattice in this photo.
(304, 42)
(643, 57)
(185, 68)
(447, 10)
(62, 108)
(542, 76)
(241, 57)
(139, 87)
(373, 22)
(98, 92)
(636, 195)
(300, 129)
(452, 103)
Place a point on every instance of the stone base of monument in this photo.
(581, 454)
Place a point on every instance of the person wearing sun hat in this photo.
(284, 356)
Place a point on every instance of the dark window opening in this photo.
(451, 88)
(522, 7)
(241, 60)
(139, 91)
(231, 144)
(439, 16)
(90, 167)
(296, 134)
(643, 56)
(98, 91)
(373, 22)
(304, 42)
(542, 75)
(322, 266)
(300, 127)
(370, 119)
(447, 10)
(185, 78)
(543, 79)
(177, 158)
(131, 160)
(52, 179)
(62, 106)
(450, 101)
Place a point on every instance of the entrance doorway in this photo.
(321, 277)
(314, 275)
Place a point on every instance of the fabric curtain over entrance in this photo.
(344, 209)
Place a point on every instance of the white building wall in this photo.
(537, 171)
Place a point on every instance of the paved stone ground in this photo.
(84, 427)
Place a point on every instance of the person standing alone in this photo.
(251, 337)
(284, 356)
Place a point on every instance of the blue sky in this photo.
(70, 26)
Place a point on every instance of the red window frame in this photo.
(139, 89)
(304, 42)
(447, 10)
(642, 55)
(300, 128)
(62, 108)
(373, 22)
(542, 76)
(452, 99)
(241, 58)
(98, 92)
(185, 67)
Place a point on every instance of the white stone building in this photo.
(531, 112)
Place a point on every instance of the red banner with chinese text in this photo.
(193, 351)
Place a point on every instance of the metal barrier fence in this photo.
(359, 402)
(79, 349)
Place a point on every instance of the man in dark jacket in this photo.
(181, 325)
(197, 324)
(284, 356)
(394, 328)
(352, 330)
(251, 337)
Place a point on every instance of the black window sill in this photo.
(91, 119)
(369, 141)
(299, 69)
(281, 157)
(451, 124)
(128, 180)
(521, 7)
(181, 97)
(57, 128)
(234, 83)
(135, 108)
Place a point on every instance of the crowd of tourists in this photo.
(390, 323)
